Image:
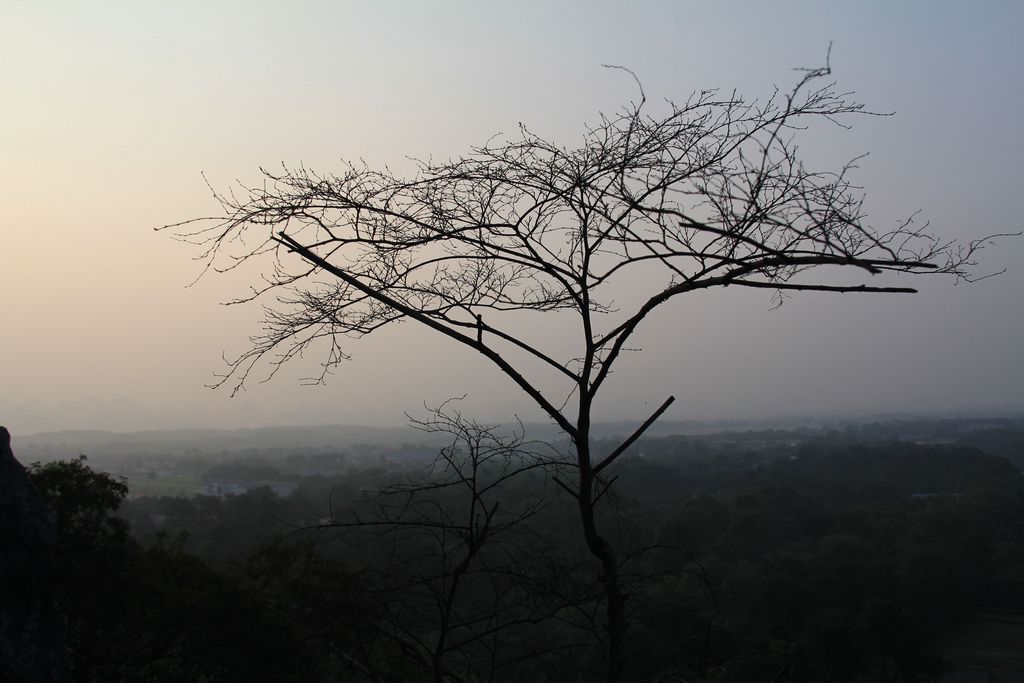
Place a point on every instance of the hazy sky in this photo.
(112, 110)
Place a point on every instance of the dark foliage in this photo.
(155, 613)
(799, 562)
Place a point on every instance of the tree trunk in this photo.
(609, 559)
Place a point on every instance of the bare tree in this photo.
(458, 575)
(707, 193)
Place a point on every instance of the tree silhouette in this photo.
(710, 192)
(459, 576)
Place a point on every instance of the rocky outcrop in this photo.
(33, 638)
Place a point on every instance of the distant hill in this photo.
(968, 430)
(210, 441)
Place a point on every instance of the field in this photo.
(164, 486)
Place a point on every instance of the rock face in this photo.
(33, 638)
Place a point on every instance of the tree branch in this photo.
(610, 458)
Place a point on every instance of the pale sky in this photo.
(112, 111)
